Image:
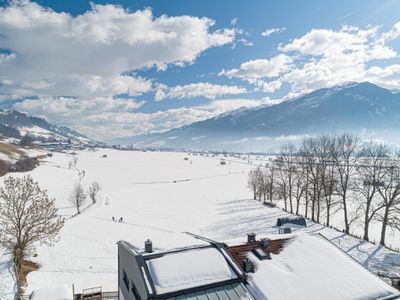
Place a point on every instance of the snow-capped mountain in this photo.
(364, 108)
(15, 124)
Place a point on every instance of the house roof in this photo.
(188, 269)
(240, 252)
(235, 291)
(307, 267)
(190, 272)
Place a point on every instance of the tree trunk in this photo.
(384, 225)
(346, 219)
(366, 222)
(328, 214)
(318, 206)
(18, 257)
(313, 209)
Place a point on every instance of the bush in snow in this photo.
(93, 191)
(78, 197)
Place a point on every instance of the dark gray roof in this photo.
(234, 291)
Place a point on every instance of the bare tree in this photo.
(253, 181)
(27, 216)
(371, 171)
(314, 160)
(93, 190)
(304, 174)
(390, 194)
(299, 186)
(78, 197)
(270, 181)
(286, 163)
(75, 160)
(329, 186)
(343, 154)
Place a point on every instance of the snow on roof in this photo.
(60, 292)
(188, 269)
(310, 267)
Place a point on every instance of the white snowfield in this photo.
(36, 131)
(183, 270)
(159, 195)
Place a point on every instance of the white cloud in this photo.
(200, 89)
(323, 58)
(235, 142)
(290, 138)
(65, 107)
(82, 54)
(246, 42)
(261, 68)
(120, 84)
(392, 34)
(269, 86)
(4, 57)
(270, 31)
(333, 57)
(119, 118)
(37, 85)
(263, 73)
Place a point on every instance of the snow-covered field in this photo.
(159, 195)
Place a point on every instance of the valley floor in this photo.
(159, 195)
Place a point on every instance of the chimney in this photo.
(251, 237)
(248, 265)
(265, 243)
(148, 246)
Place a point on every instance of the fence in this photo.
(112, 295)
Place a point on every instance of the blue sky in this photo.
(120, 68)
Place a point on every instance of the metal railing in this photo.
(95, 294)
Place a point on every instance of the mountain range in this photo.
(14, 124)
(363, 108)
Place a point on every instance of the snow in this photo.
(310, 267)
(36, 131)
(7, 282)
(11, 155)
(159, 195)
(61, 292)
(188, 269)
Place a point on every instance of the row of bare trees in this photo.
(78, 195)
(329, 174)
